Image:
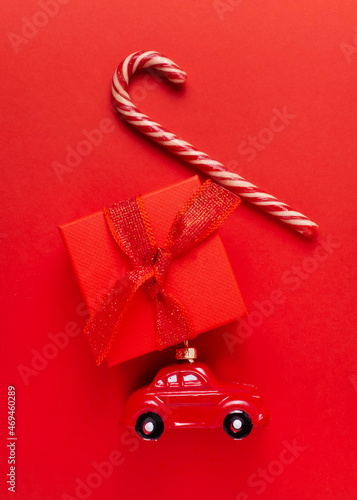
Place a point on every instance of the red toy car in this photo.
(189, 395)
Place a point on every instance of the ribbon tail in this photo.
(103, 324)
(173, 324)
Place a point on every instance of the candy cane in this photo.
(202, 161)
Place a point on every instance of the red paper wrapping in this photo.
(202, 279)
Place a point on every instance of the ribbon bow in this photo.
(130, 227)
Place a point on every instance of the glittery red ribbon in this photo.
(130, 227)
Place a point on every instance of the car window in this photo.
(172, 380)
(192, 379)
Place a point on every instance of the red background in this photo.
(243, 59)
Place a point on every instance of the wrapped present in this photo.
(153, 271)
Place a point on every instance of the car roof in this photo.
(202, 369)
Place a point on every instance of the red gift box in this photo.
(202, 279)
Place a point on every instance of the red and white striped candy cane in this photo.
(202, 161)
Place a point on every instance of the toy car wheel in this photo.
(149, 426)
(237, 424)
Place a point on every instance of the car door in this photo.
(189, 399)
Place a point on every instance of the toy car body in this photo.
(189, 395)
